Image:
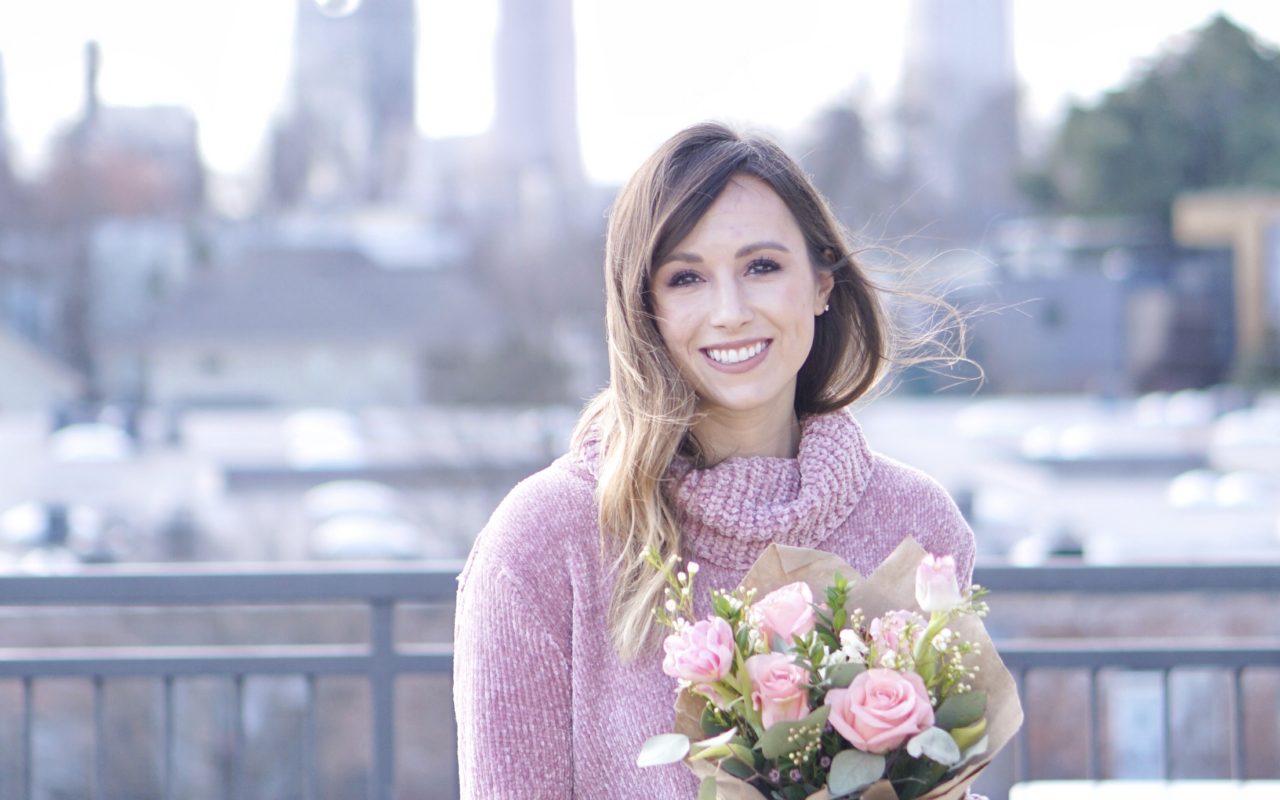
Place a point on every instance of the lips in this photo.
(737, 356)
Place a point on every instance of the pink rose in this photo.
(888, 633)
(779, 688)
(880, 710)
(937, 587)
(701, 653)
(785, 612)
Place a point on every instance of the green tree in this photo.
(1204, 115)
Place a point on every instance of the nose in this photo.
(731, 307)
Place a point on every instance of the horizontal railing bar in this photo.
(435, 581)
(1142, 654)
(208, 584)
(1130, 578)
(157, 662)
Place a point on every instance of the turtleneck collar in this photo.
(730, 512)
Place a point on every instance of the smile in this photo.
(743, 356)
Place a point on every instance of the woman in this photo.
(740, 328)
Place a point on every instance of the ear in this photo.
(826, 282)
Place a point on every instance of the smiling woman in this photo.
(740, 328)
(735, 306)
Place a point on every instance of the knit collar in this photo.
(730, 512)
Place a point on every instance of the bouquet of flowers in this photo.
(871, 694)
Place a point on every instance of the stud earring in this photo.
(826, 308)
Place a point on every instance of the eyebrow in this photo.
(745, 250)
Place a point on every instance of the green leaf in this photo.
(979, 748)
(665, 748)
(710, 722)
(783, 738)
(738, 768)
(741, 751)
(841, 675)
(914, 777)
(715, 747)
(968, 735)
(936, 745)
(707, 790)
(852, 770)
(960, 710)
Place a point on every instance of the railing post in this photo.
(28, 735)
(382, 687)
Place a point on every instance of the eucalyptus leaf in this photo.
(738, 768)
(786, 737)
(979, 748)
(707, 789)
(720, 739)
(742, 753)
(665, 748)
(841, 675)
(960, 710)
(852, 770)
(915, 777)
(936, 745)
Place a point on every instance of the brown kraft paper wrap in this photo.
(889, 588)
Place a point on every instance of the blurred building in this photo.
(302, 327)
(1247, 222)
(1107, 306)
(124, 161)
(30, 379)
(535, 127)
(959, 113)
(8, 183)
(348, 131)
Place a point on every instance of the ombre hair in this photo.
(643, 420)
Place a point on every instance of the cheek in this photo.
(675, 328)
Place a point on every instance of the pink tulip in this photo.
(701, 653)
(937, 588)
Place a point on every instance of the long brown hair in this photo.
(642, 420)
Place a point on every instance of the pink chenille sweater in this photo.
(544, 707)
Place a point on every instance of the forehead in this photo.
(747, 207)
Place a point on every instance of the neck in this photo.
(722, 435)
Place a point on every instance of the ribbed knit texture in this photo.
(544, 708)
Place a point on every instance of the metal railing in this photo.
(381, 588)
(1161, 657)
(380, 660)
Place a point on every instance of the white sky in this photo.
(645, 69)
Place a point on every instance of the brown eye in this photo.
(683, 278)
(762, 266)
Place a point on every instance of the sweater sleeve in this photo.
(512, 693)
(513, 628)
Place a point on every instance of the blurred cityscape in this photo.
(426, 314)
(403, 328)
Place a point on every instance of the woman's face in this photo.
(736, 302)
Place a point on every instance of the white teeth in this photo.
(736, 356)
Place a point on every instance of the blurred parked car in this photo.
(362, 535)
(346, 496)
(95, 442)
